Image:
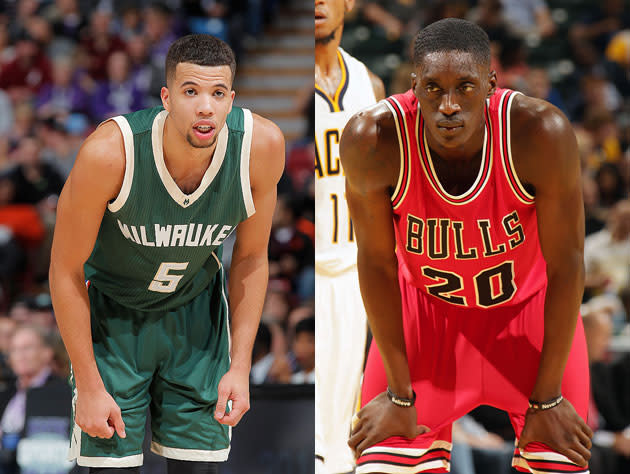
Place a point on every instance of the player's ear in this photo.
(164, 95)
(492, 83)
(232, 95)
(414, 81)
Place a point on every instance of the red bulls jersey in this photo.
(479, 249)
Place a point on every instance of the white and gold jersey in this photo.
(335, 247)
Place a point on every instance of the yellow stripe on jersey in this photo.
(335, 102)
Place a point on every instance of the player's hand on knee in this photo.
(234, 386)
(381, 419)
(560, 428)
(98, 415)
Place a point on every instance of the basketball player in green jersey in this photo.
(150, 199)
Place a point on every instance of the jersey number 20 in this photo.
(493, 286)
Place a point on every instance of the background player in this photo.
(478, 211)
(343, 86)
(150, 199)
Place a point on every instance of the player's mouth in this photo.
(320, 18)
(450, 127)
(204, 130)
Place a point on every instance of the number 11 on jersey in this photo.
(336, 205)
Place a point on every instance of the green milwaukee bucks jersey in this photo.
(157, 248)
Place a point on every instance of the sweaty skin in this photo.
(452, 88)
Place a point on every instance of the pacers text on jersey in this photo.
(177, 235)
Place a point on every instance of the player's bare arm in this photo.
(377, 86)
(96, 179)
(249, 271)
(546, 157)
(371, 175)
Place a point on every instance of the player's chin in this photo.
(199, 143)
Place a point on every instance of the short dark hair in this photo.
(200, 49)
(452, 34)
(305, 325)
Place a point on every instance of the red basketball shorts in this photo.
(460, 358)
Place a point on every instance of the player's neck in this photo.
(327, 67)
(326, 59)
(181, 155)
(465, 152)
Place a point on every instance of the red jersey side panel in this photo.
(479, 249)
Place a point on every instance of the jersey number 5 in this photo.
(493, 286)
(165, 282)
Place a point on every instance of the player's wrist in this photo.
(403, 402)
(548, 404)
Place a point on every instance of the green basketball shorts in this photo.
(168, 362)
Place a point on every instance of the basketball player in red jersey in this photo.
(473, 293)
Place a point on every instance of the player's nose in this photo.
(205, 106)
(448, 105)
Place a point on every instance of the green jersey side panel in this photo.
(157, 248)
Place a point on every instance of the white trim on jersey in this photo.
(190, 454)
(93, 461)
(421, 465)
(509, 148)
(400, 183)
(185, 200)
(134, 460)
(127, 134)
(248, 125)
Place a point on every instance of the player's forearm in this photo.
(72, 312)
(247, 288)
(562, 304)
(378, 280)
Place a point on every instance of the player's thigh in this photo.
(185, 390)
(123, 350)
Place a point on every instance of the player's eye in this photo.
(219, 93)
(431, 88)
(467, 87)
(189, 92)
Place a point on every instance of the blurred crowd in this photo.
(576, 55)
(65, 66)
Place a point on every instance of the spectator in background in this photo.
(304, 350)
(66, 19)
(601, 22)
(476, 450)
(291, 251)
(33, 180)
(23, 123)
(59, 147)
(610, 185)
(142, 71)
(130, 22)
(611, 439)
(607, 252)
(528, 17)
(538, 84)
(397, 19)
(64, 94)
(262, 357)
(118, 94)
(7, 327)
(30, 357)
(159, 31)
(594, 218)
(99, 43)
(25, 75)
